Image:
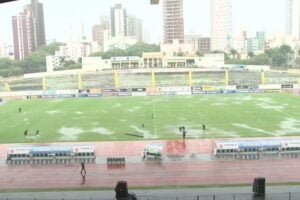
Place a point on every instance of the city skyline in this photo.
(196, 17)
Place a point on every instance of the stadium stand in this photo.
(131, 78)
(282, 78)
(244, 78)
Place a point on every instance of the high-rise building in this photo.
(24, 34)
(192, 39)
(118, 21)
(261, 37)
(220, 25)
(204, 45)
(96, 33)
(28, 30)
(104, 22)
(256, 45)
(239, 43)
(38, 18)
(135, 27)
(289, 11)
(173, 22)
(101, 32)
(100, 35)
(293, 18)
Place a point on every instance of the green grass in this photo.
(109, 118)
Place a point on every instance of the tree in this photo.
(297, 62)
(280, 56)
(96, 54)
(234, 54)
(113, 53)
(68, 64)
(51, 48)
(9, 68)
(136, 50)
(261, 59)
(250, 54)
(199, 53)
(6, 63)
(276, 57)
(35, 62)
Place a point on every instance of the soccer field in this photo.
(109, 118)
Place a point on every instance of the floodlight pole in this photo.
(263, 78)
(226, 77)
(190, 78)
(153, 81)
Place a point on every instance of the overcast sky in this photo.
(252, 15)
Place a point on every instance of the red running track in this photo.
(144, 175)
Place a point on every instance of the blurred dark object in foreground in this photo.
(154, 2)
(5, 1)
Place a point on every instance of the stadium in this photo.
(114, 117)
(108, 119)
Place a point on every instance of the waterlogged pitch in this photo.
(139, 118)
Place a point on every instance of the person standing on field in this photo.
(83, 171)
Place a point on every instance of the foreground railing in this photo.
(244, 196)
(232, 196)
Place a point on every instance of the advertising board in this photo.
(182, 93)
(104, 90)
(174, 89)
(287, 86)
(230, 87)
(138, 89)
(271, 86)
(139, 94)
(124, 94)
(208, 88)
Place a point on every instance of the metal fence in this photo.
(244, 196)
(249, 196)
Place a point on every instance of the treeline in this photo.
(279, 57)
(35, 62)
(136, 50)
